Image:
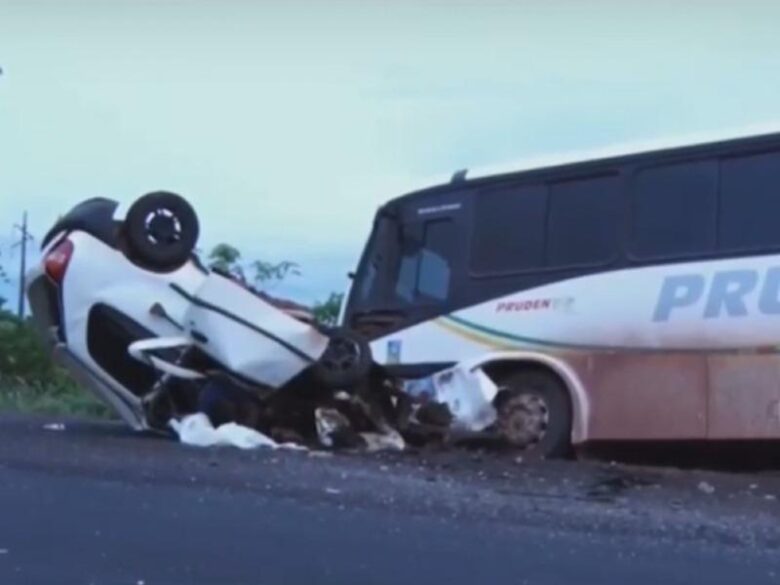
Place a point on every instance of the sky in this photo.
(287, 124)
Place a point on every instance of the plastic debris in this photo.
(329, 423)
(54, 427)
(197, 430)
(467, 392)
(707, 488)
(388, 441)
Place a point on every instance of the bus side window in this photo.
(509, 230)
(749, 202)
(583, 219)
(674, 210)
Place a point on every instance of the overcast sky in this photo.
(288, 123)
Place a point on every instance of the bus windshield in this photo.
(405, 265)
(381, 248)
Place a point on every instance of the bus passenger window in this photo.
(583, 222)
(509, 230)
(674, 210)
(749, 202)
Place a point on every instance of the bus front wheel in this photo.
(534, 413)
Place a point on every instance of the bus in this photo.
(629, 297)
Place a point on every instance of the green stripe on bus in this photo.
(504, 336)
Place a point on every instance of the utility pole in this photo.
(22, 243)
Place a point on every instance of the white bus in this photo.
(633, 297)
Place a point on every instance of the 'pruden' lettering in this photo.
(533, 305)
(724, 294)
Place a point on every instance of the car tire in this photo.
(346, 361)
(161, 230)
(534, 413)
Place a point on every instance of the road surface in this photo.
(94, 503)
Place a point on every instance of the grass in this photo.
(30, 382)
(59, 396)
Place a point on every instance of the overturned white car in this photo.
(127, 307)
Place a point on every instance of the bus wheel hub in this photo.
(523, 419)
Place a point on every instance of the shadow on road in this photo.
(731, 456)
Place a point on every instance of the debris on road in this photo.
(391, 440)
(197, 430)
(706, 488)
(614, 484)
(334, 429)
(54, 427)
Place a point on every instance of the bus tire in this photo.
(534, 413)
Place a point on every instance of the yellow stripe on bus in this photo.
(472, 335)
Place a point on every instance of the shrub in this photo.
(29, 380)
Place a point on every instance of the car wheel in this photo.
(534, 413)
(161, 230)
(346, 361)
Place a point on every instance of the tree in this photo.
(3, 280)
(3, 275)
(227, 258)
(327, 312)
(267, 272)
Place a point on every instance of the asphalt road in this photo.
(96, 504)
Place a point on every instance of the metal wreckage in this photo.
(124, 303)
